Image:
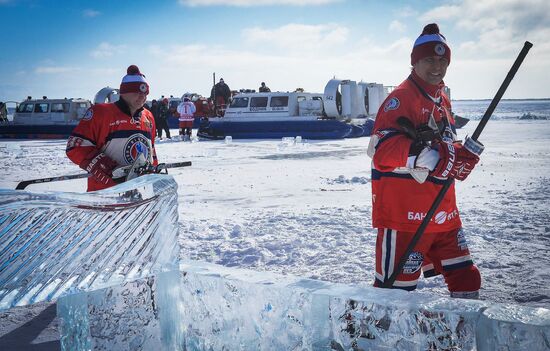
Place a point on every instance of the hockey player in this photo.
(113, 135)
(186, 109)
(414, 150)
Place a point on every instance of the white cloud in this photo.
(406, 11)
(497, 30)
(105, 50)
(498, 24)
(397, 26)
(298, 38)
(54, 69)
(190, 67)
(90, 13)
(250, 3)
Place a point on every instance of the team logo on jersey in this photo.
(414, 262)
(136, 144)
(439, 49)
(392, 104)
(88, 115)
(440, 217)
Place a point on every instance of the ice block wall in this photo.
(207, 307)
(56, 242)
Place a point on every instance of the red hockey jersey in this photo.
(110, 128)
(399, 201)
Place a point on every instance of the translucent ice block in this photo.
(53, 243)
(207, 307)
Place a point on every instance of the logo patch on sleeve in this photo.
(88, 115)
(392, 104)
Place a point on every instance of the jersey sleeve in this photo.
(82, 142)
(391, 144)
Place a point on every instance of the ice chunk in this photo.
(207, 307)
(51, 243)
(518, 328)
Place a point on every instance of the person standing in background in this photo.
(155, 111)
(263, 88)
(114, 135)
(414, 151)
(163, 118)
(221, 96)
(3, 112)
(186, 110)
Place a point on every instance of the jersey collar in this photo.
(123, 106)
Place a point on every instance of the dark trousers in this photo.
(162, 124)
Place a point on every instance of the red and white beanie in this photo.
(134, 82)
(430, 43)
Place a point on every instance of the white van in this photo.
(51, 111)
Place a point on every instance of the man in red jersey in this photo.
(113, 135)
(414, 150)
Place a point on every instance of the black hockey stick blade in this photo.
(22, 185)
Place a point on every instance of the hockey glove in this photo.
(466, 158)
(455, 160)
(100, 166)
(447, 159)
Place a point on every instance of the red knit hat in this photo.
(134, 82)
(430, 43)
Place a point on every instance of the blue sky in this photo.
(74, 48)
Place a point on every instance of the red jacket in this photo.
(109, 128)
(400, 202)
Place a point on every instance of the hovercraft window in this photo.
(239, 102)
(41, 108)
(258, 102)
(59, 107)
(279, 101)
(25, 108)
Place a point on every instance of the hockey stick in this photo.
(389, 282)
(142, 170)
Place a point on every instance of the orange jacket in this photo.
(109, 128)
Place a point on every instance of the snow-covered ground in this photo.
(305, 208)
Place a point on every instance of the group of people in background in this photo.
(160, 114)
(185, 111)
(192, 106)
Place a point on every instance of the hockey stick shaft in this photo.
(418, 234)
(22, 185)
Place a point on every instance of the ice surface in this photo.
(56, 242)
(203, 306)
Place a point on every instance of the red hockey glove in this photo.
(100, 166)
(455, 160)
(466, 159)
(447, 159)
